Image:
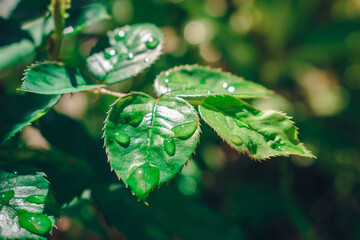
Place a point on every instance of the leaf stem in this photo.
(58, 12)
(101, 90)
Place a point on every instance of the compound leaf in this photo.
(54, 78)
(261, 134)
(18, 111)
(148, 141)
(125, 52)
(198, 82)
(27, 205)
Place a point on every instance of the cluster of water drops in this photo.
(182, 131)
(230, 89)
(120, 37)
(37, 223)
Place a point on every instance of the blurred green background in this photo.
(307, 51)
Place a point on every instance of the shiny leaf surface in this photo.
(54, 78)
(148, 141)
(198, 82)
(28, 207)
(261, 134)
(125, 52)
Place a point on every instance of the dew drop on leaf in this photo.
(143, 179)
(6, 196)
(186, 130)
(273, 145)
(13, 175)
(147, 60)
(152, 43)
(38, 199)
(120, 36)
(135, 120)
(231, 89)
(236, 140)
(241, 124)
(109, 53)
(252, 147)
(130, 56)
(203, 80)
(35, 222)
(122, 138)
(169, 146)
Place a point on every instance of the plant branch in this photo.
(58, 12)
(101, 90)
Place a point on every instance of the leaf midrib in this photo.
(153, 115)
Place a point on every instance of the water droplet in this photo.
(237, 140)
(252, 147)
(169, 146)
(109, 53)
(143, 179)
(291, 134)
(6, 196)
(269, 136)
(274, 145)
(203, 80)
(120, 36)
(135, 120)
(130, 56)
(147, 60)
(241, 124)
(122, 138)
(13, 175)
(166, 80)
(225, 85)
(38, 199)
(35, 222)
(185, 130)
(152, 43)
(231, 89)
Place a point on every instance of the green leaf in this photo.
(198, 82)
(261, 134)
(125, 52)
(28, 207)
(54, 78)
(18, 111)
(26, 10)
(88, 17)
(148, 141)
(16, 45)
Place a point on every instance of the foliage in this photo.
(91, 50)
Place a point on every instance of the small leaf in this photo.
(261, 134)
(198, 82)
(18, 111)
(88, 17)
(54, 78)
(125, 52)
(21, 218)
(151, 152)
